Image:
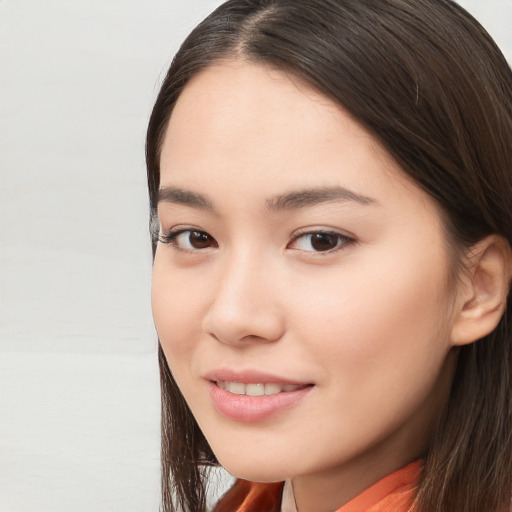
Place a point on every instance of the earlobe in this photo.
(484, 290)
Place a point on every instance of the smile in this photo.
(253, 401)
(258, 389)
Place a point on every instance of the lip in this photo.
(251, 377)
(250, 409)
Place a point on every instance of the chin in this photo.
(255, 470)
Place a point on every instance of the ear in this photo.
(483, 290)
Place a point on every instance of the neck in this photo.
(328, 490)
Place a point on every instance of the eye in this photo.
(188, 239)
(319, 241)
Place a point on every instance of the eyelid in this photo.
(169, 237)
(347, 239)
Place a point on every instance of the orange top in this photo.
(394, 492)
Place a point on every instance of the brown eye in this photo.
(324, 241)
(188, 240)
(320, 241)
(199, 239)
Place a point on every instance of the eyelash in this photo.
(342, 241)
(171, 238)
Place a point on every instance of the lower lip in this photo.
(249, 409)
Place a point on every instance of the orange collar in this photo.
(394, 492)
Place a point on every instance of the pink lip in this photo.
(250, 377)
(247, 409)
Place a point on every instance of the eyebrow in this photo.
(315, 196)
(185, 197)
(289, 201)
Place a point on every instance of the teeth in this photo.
(236, 388)
(239, 388)
(272, 389)
(290, 388)
(255, 389)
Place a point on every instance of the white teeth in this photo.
(239, 388)
(236, 388)
(272, 389)
(255, 389)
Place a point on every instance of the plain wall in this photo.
(79, 397)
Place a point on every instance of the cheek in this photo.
(176, 313)
(381, 342)
(380, 320)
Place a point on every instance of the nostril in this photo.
(214, 336)
(244, 327)
(243, 311)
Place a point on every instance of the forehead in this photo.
(257, 129)
(242, 83)
(235, 108)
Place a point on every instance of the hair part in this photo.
(429, 83)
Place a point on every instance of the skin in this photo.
(368, 323)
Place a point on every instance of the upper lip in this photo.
(250, 376)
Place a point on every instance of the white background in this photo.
(79, 404)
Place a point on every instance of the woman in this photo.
(331, 191)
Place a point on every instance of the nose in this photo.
(245, 307)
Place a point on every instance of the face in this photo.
(301, 286)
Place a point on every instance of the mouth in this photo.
(258, 389)
(253, 401)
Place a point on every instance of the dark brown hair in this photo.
(430, 84)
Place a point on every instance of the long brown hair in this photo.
(431, 85)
